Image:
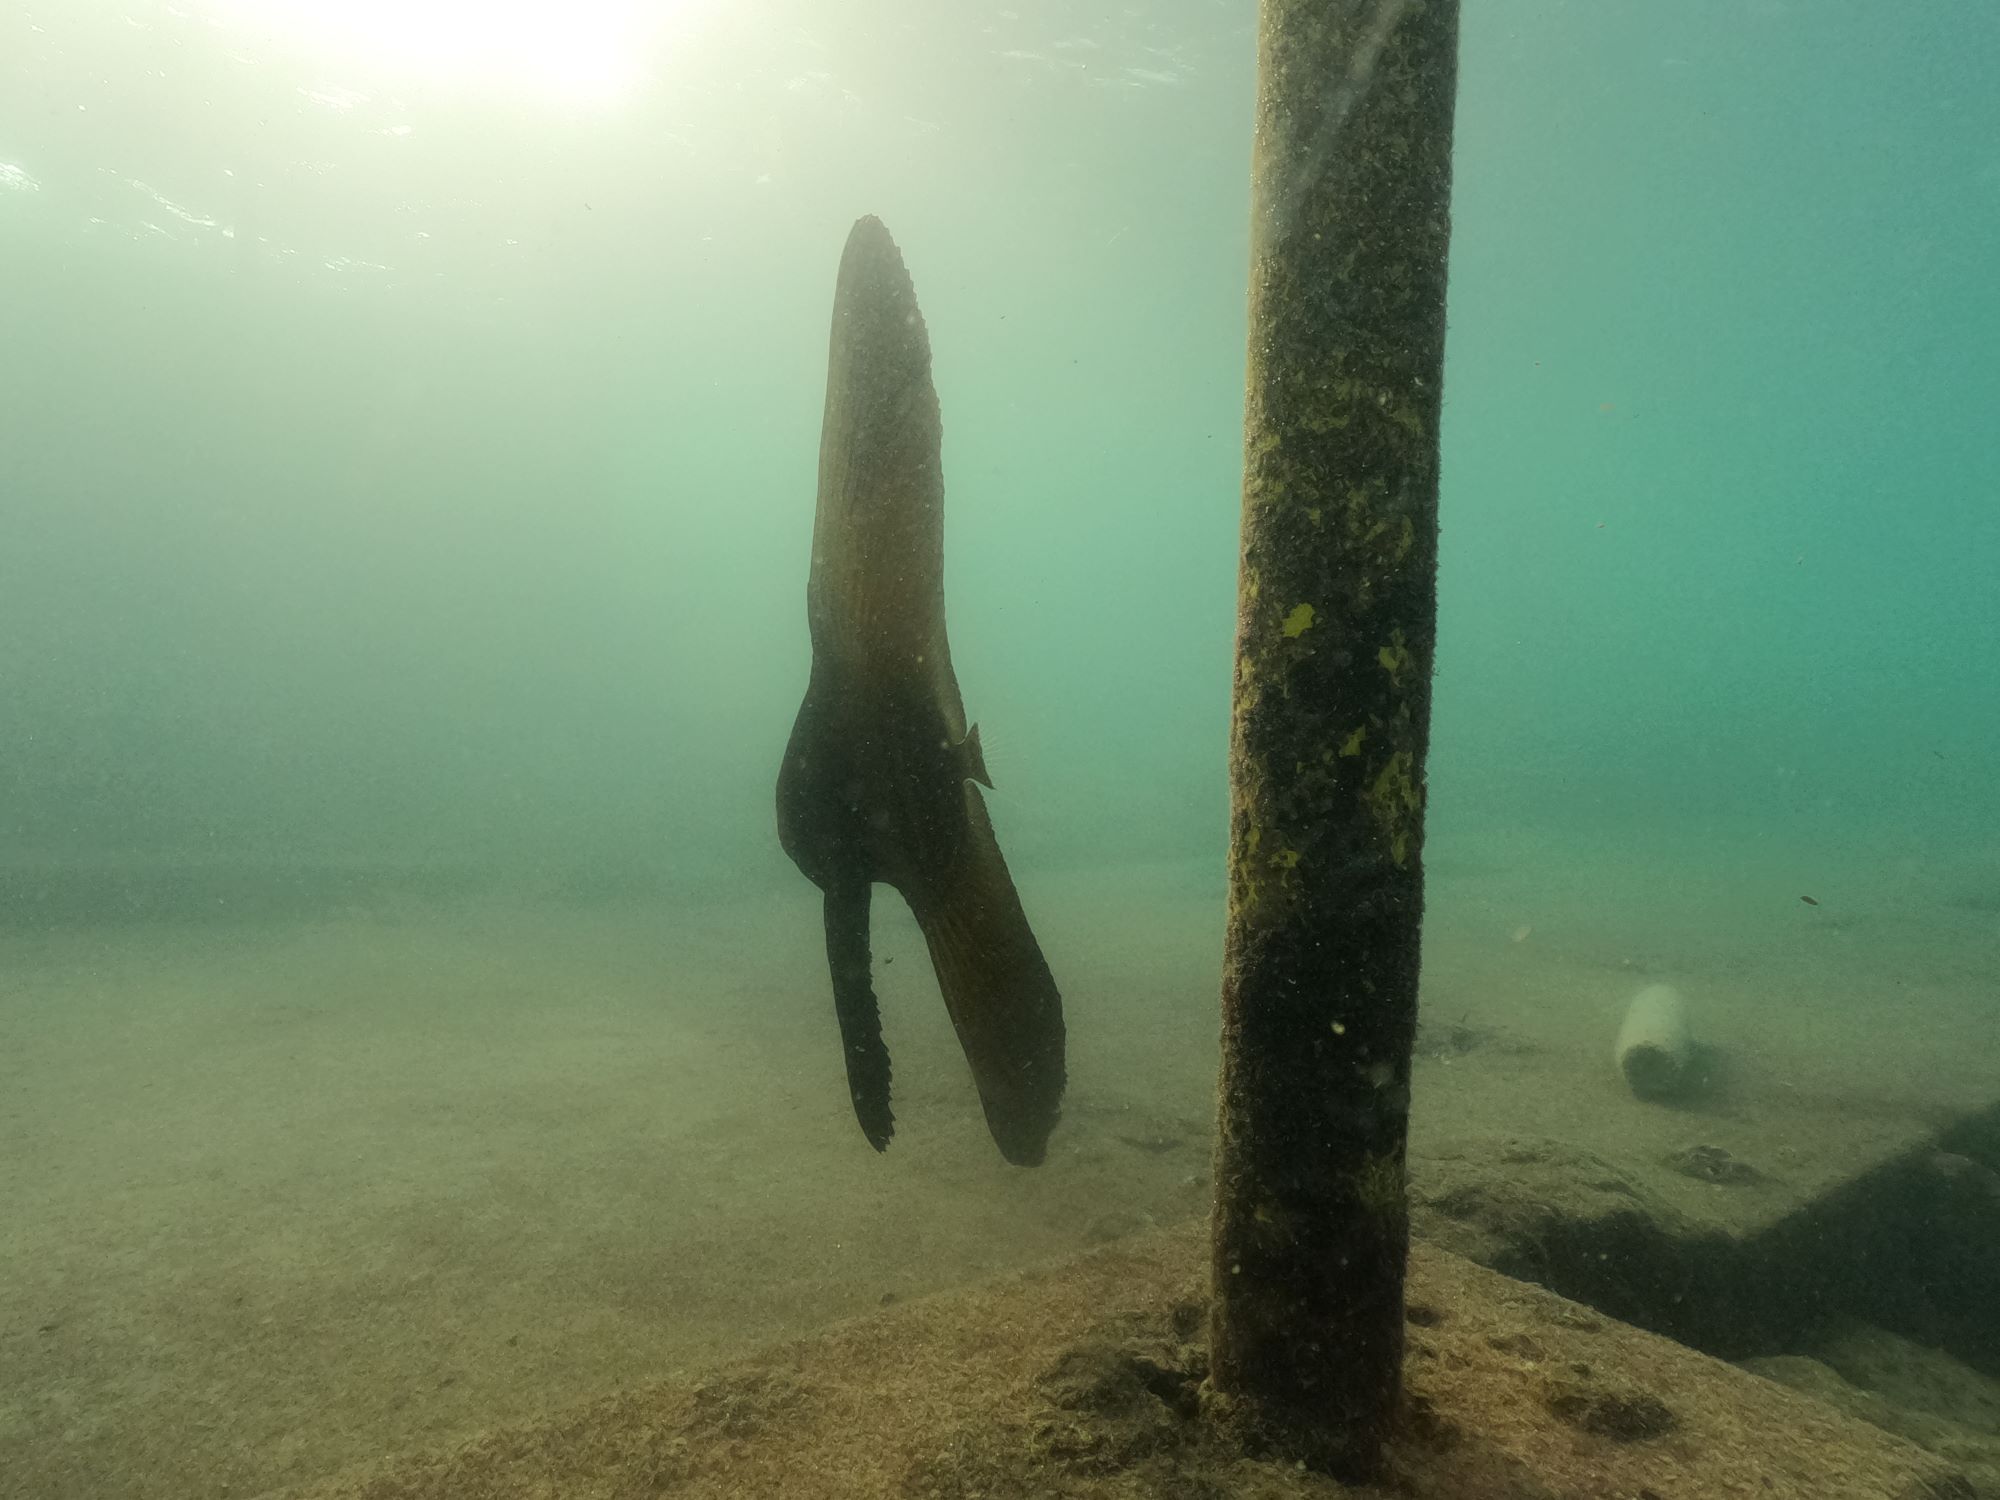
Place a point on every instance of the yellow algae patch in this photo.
(1352, 745)
(1286, 859)
(1299, 621)
(1390, 403)
(1394, 800)
(1394, 657)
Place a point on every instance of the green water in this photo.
(414, 470)
(408, 441)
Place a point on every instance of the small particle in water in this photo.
(1810, 900)
(1522, 933)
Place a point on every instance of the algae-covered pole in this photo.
(1335, 631)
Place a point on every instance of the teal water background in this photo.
(421, 471)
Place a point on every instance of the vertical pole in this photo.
(1336, 625)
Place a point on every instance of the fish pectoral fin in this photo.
(860, 1017)
(1003, 1001)
(973, 758)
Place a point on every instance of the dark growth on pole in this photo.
(1335, 633)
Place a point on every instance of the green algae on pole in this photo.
(1336, 624)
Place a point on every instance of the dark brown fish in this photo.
(1809, 901)
(877, 781)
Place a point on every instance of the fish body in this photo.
(880, 780)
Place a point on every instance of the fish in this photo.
(1810, 900)
(881, 777)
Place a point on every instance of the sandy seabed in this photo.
(285, 1196)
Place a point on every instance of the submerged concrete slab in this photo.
(1079, 1381)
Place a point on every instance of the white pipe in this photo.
(1655, 1048)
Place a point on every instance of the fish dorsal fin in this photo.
(875, 596)
(974, 758)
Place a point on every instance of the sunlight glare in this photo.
(582, 51)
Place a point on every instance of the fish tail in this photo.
(1003, 1001)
